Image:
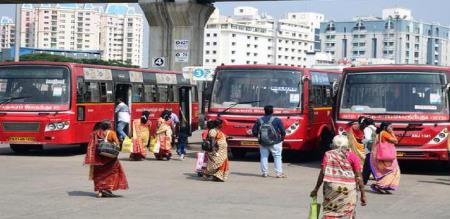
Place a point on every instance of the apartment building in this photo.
(395, 36)
(7, 33)
(252, 38)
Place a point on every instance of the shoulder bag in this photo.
(386, 151)
(107, 149)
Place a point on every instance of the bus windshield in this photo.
(34, 85)
(279, 88)
(394, 93)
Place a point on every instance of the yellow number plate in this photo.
(400, 154)
(22, 139)
(249, 143)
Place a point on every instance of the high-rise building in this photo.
(396, 36)
(252, 38)
(7, 33)
(117, 30)
(122, 34)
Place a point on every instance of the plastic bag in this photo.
(314, 209)
(155, 146)
(127, 145)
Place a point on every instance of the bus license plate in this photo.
(22, 139)
(249, 143)
(400, 154)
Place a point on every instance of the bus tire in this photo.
(238, 153)
(325, 142)
(19, 148)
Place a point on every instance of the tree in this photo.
(59, 58)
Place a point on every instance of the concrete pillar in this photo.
(176, 20)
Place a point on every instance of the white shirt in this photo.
(123, 113)
(368, 131)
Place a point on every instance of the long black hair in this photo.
(383, 127)
(145, 116)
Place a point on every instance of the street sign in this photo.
(159, 62)
(200, 73)
(181, 57)
(181, 44)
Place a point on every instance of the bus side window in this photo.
(106, 92)
(173, 94)
(163, 91)
(92, 94)
(150, 93)
(138, 93)
(81, 90)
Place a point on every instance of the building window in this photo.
(233, 52)
(232, 61)
(215, 35)
(233, 43)
(233, 35)
(208, 35)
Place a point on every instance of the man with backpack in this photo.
(270, 132)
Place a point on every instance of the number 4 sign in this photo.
(158, 62)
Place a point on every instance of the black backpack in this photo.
(267, 135)
(209, 144)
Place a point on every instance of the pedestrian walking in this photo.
(141, 136)
(340, 175)
(123, 117)
(107, 173)
(385, 171)
(369, 137)
(164, 136)
(217, 167)
(270, 132)
(355, 136)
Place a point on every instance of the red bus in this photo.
(302, 98)
(414, 98)
(50, 103)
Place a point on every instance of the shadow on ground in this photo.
(56, 152)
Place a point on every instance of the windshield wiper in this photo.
(10, 99)
(235, 104)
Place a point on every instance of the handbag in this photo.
(107, 149)
(386, 151)
(209, 144)
(314, 209)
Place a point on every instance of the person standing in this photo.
(369, 137)
(164, 136)
(340, 175)
(218, 166)
(123, 117)
(386, 173)
(182, 141)
(270, 132)
(107, 173)
(141, 136)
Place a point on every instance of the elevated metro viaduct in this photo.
(169, 20)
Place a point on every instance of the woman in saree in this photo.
(107, 173)
(340, 174)
(141, 136)
(217, 167)
(355, 137)
(386, 173)
(164, 136)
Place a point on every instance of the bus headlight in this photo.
(439, 137)
(57, 126)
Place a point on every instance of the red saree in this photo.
(107, 172)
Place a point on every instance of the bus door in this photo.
(186, 107)
(124, 92)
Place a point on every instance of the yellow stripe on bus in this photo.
(323, 108)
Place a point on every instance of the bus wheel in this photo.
(325, 142)
(238, 153)
(19, 148)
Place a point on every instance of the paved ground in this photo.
(53, 184)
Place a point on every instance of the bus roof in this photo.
(89, 66)
(277, 67)
(381, 68)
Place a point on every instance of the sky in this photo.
(430, 11)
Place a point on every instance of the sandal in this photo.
(375, 188)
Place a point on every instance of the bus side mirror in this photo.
(447, 87)
(335, 88)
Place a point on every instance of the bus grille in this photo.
(21, 126)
